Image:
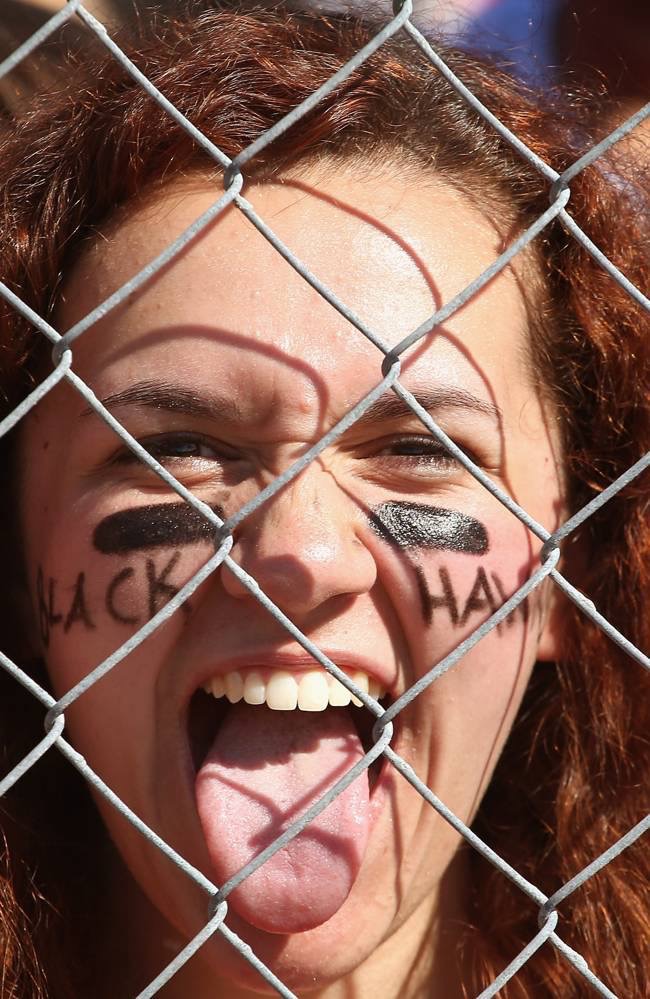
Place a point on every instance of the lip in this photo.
(295, 662)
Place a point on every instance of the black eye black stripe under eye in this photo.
(418, 525)
(406, 525)
(152, 526)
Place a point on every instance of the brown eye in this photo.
(419, 449)
(188, 447)
(181, 447)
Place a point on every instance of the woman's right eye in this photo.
(173, 448)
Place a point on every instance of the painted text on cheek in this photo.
(150, 580)
(50, 614)
(419, 526)
(159, 590)
(485, 597)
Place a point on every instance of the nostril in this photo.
(300, 551)
(231, 573)
(286, 579)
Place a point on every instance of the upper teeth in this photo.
(282, 691)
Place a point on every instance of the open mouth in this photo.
(266, 746)
(207, 714)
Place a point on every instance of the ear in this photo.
(555, 605)
(552, 624)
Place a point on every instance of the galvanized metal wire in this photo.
(388, 378)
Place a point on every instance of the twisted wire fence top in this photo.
(389, 361)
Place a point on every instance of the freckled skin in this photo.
(119, 606)
(291, 368)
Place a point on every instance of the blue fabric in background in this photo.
(522, 32)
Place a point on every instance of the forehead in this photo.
(392, 253)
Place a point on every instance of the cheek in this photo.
(88, 603)
(466, 714)
(456, 594)
(450, 571)
(473, 707)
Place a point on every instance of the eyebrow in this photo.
(173, 399)
(388, 408)
(391, 407)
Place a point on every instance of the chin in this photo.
(302, 961)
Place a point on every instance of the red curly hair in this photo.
(570, 780)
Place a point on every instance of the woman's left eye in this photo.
(419, 450)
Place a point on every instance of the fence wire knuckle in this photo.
(389, 368)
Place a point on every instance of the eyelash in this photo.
(433, 457)
(432, 450)
(160, 448)
(425, 452)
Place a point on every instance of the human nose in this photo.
(302, 547)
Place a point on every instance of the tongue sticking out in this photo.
(264, 769)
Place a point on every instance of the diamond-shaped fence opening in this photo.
(228, 174)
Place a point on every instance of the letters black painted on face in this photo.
(481, 598)
(118, 606)
(158, 586)
(48, 615)
(401, 523)
(153, 584)
(418, 525)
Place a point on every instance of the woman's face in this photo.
(384, 551)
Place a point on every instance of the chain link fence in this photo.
(388, 378)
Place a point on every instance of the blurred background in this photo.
(561, 45)
(538, 36)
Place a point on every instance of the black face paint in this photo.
(521, 609)
(78, 608)
(430, 601)
(153, 526)
(120, 614)
(417, 525)
(160, 590)
(47, 615)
